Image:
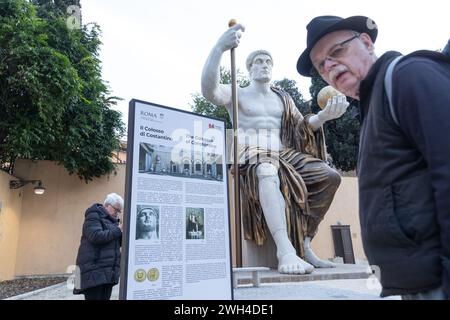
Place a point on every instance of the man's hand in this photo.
(334, 109)
(230, 39)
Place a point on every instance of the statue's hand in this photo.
(334, 109)
(230, 39)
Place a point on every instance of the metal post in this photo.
(237, 202)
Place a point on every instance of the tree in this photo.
(342, 135)
(290, 87)
(59, 7)
(54, 104)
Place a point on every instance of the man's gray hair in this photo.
(113, 199)
(252, 56)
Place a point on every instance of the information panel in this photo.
(176, 229)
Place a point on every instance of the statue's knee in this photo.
(334, 178)
(266, 170)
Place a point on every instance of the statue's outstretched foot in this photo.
(316, 262)
(292, 264)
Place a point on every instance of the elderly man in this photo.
(403, 167)
(287, 184)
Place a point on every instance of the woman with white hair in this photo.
(98, 259)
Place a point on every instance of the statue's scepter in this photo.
(237, 203)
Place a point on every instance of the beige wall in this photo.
(51, 223)
(10, 217)
(345, 210)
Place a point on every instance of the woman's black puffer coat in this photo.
(98, 258)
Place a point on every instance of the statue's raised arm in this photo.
(212, 89)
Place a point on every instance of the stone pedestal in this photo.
(259, 256)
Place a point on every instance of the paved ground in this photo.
(347, 289)
(343, 271)
(347, 282)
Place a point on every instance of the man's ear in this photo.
(367, 41)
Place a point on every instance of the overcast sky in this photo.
(154, 50)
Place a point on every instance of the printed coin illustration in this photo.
(139, 275)
(153, 274)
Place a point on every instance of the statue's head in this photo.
(259, 65)
(147, 219)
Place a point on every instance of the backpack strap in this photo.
(388, 87)
(433, 55)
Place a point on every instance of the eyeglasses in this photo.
(117, 210)
(337, 51)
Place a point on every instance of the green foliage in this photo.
(202, 106)
(342, 135)
(47, 8)
(290, 87)
(317, 83)
(54, 104)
